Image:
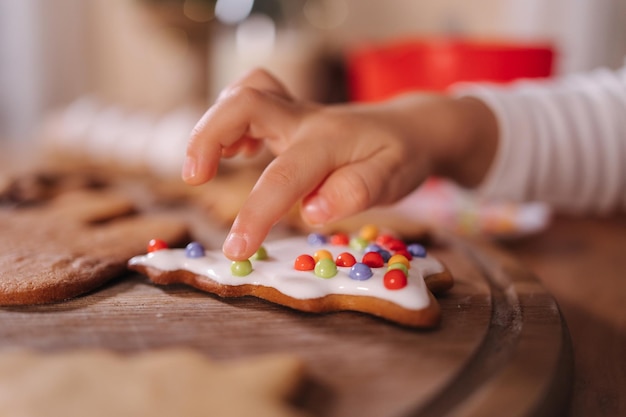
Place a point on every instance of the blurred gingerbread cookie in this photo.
(73, 243)
(162, 383)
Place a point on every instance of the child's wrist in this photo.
(469, 143)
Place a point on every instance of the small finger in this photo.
(244, 112)
(262, 80)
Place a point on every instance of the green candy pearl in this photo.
(241, 268)
(260, 254)
(358, 243)
(325, 268)
(398, 265)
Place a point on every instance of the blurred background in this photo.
(157, 56)
(121, 83)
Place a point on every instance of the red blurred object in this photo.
(376, 72)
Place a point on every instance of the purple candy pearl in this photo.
(316, 239)
(417, 250)
(360, 272)
(194, 250)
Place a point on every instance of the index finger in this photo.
(293, 174)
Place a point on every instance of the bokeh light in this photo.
(233, 11)
(256, 36)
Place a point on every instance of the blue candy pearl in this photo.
(194, 250)
(372, 247)
(417, 250)
(360, 272)
(385, 254)
(316, 239)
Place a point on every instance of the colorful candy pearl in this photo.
(156, 244)
(345, 259)
(399, 266)
(260, 254)
(360, 272)
(322, 254)
(304, 263)
(373, 247)
(194, 250)
(417, 250)
(358, 243)
(383, 240)
(325, 268)
(385, 254)
(241, 268)
(404, 253)
(316, 239)
(395, 279)
(400, 259)
(368, 232)
(373, 260)
(340, 239)
(395, 245)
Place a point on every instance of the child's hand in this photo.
(338, 160)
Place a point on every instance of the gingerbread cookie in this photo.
(383, 276)
(73, 243)
(35, 187)
(163, 383)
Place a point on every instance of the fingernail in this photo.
(235, 246)
(316, 211)
(189, 168)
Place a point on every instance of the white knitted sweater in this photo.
(562, 141)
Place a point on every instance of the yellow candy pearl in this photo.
(322, 254)
(397, 258)
(369, 232)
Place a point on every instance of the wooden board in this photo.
(502, 348)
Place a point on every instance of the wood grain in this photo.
(582, 262)
(502, 348)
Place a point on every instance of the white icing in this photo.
(278, 272)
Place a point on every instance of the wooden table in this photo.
(582, 263)
(503, 344)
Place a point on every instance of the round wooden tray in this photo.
(502, 347)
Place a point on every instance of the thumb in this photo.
(347, 191)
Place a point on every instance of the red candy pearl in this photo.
(345, 259)
(340, 239)
(304, 263)
(373, 260)
(404, 253)
(396, 245)
(395, 279)
(384, 239)
(156, 244)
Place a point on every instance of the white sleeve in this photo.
(562, 141)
